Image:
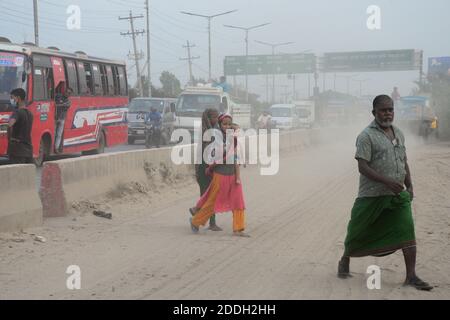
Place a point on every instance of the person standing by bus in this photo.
(20, 148)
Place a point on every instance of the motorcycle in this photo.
(152, 135)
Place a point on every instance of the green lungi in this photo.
(380, 226)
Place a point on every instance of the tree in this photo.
(156, 92)
(171, 86)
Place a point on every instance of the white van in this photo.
(284, 116)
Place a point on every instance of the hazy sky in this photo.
(319, 26)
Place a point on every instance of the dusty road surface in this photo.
(297, 222)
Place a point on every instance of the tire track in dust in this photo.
(264, 233)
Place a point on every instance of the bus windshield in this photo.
(144, 105)
(11, 71)
(197, 103)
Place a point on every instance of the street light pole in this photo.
(36, 23)
(209, 48)
(209, 34)
(246, 48)
(273, 46)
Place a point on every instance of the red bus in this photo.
(96, 115)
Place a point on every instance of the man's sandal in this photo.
(343, 271)
(419, 284)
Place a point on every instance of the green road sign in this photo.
(390, 60)
(268, 64)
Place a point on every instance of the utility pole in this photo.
(189, 59)
(149, 74)
(421, 68)
(246, 49)
(309, 86)
(209, 33)
(36, 23)
(133, 34)
(273, 45)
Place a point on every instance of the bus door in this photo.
(43, 106)
(61, 102)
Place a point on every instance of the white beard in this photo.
(385, 124)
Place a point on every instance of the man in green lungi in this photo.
(381, 219)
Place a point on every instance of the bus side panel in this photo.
(89, 116)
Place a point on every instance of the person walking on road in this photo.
(20, 148)
(210, 119)
(395, 95)
(381, 219)
(225, 191)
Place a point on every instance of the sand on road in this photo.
(297, 221)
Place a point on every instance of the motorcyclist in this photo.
(154, 120)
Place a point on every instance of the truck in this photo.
(306, 112)
(416, 114)
(193, 101)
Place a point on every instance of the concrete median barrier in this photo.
(67, 181)
(20, 206)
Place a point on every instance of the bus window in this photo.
(110, 80)
(97, 80)
(122, 81)
(38, 84)
(89, 79)
(82, 79)
(43, 84)
(104, 78)
(71, 76)
(116, 81)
